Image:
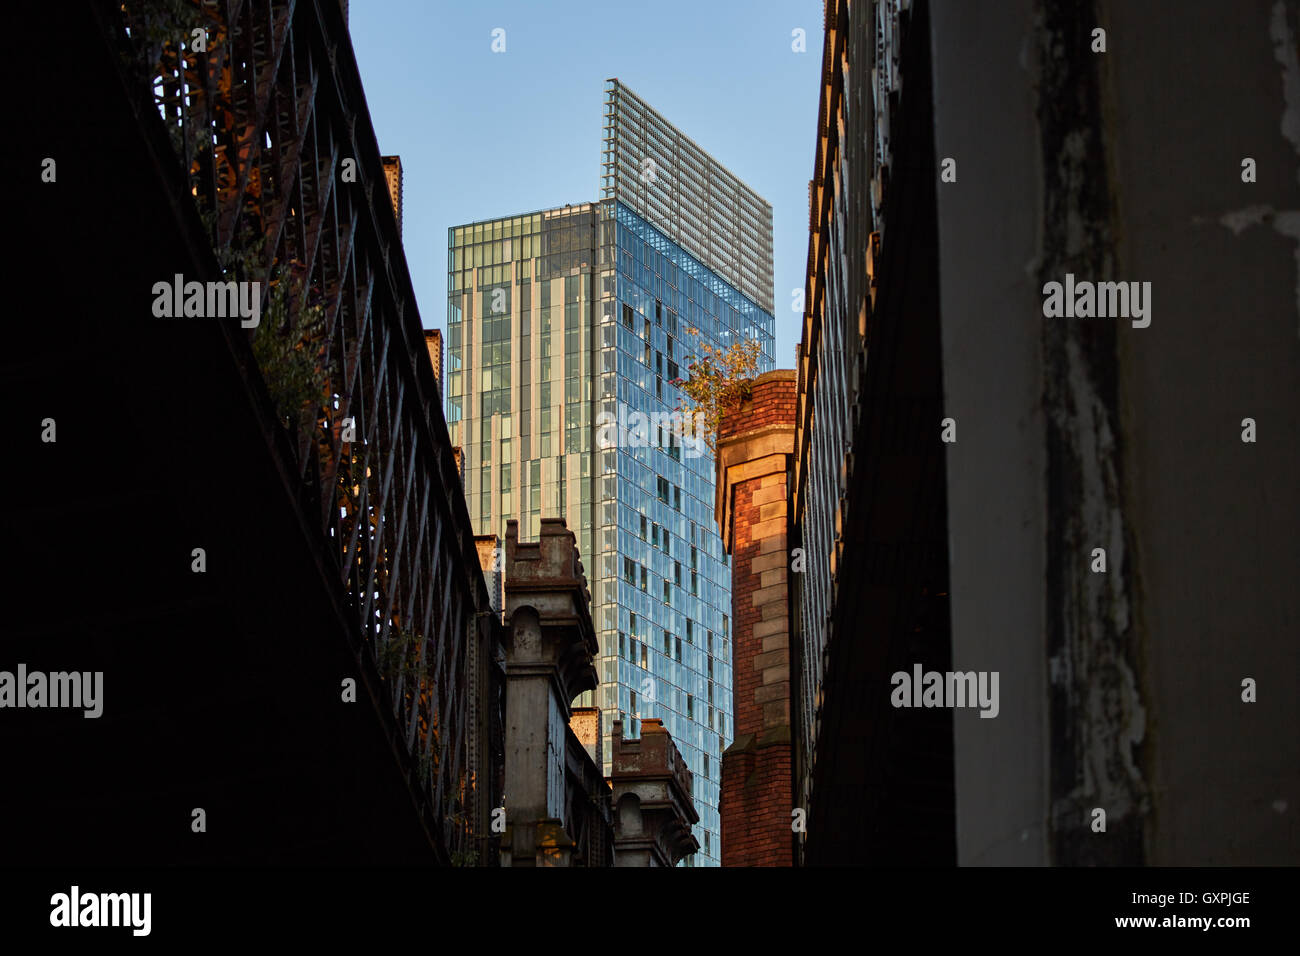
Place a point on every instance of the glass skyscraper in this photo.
(563, 318)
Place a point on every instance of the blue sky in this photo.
(485, 134)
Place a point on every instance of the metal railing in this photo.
(264, 106)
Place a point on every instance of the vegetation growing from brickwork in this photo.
(718, 382)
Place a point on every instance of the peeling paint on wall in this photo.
(1097, 718)
(1284, 51)
(1284, 222)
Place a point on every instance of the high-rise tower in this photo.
(564, 318)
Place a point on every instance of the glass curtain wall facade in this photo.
(564, 318)
(665, 611)
(519, 376)
(664, 177)
(692, 263)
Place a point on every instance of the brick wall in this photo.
(754, 447)
(771, 403)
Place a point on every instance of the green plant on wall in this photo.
(464, 858)
(717, 382)
(288, 344)
(460, 822)
(164, 37)
(395, 656)
(288, 341)
(162, 47)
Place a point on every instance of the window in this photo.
(690, 707)
(629, 571)
(679, 649)
(644, 578)
(506, 485)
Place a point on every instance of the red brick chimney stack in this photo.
(755, 446)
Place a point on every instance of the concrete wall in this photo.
(991, 315)
(1123, 690)
(1218, 520)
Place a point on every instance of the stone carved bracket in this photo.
(546, 577)
(652, 796)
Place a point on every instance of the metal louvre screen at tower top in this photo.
(668, 180)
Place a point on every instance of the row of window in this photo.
(631, 567)
(494, 230)
(636, 648)
(645, 248)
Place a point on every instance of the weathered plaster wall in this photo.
(1123, 690)
(1196, 87)
(992, 323)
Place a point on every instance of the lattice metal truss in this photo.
(263, 119)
